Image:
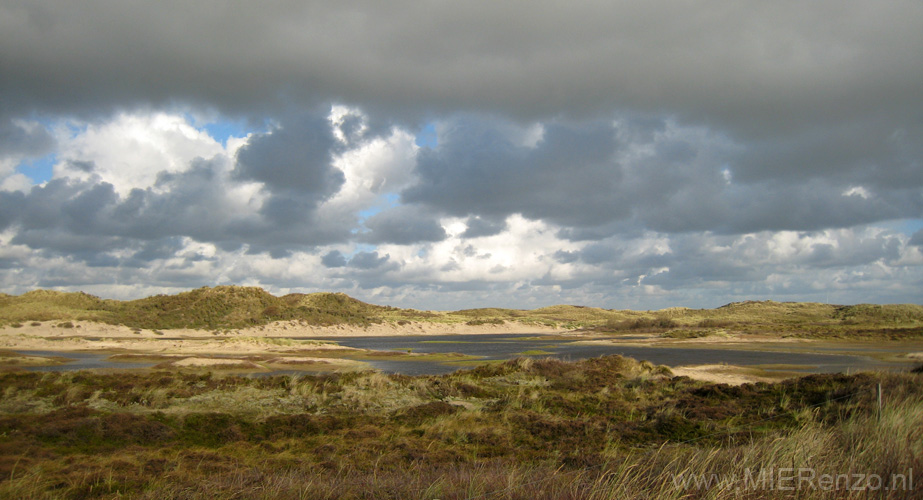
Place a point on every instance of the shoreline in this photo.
(315, 347)
(87, 335)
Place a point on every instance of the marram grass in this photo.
(230, 307)
(603, 428)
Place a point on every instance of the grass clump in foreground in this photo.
(608, 427)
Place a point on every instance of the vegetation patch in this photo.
(640, 324)
(492, 321)
(229, 308)
(608, 427)
(693, 333)
(535, 352)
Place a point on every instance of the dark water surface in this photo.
(505, 346)
(81, 361)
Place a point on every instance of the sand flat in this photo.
(724, 374)
(274, 337)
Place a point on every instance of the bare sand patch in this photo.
(724, 374)
(306, 361)
(391, 328)
(266, 364)
(216, 362)
(278, 337)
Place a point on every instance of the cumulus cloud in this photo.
(130, 150)
(334, 258)
(403, 226)
(19, 138)
(917, 238)
(650, 173)
(477, 226)
(368, 260)
(480, 168)
(295, 157)
(266, 196)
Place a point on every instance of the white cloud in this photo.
(131, 149)
(14, 181)
(859, 191)
(376, 168)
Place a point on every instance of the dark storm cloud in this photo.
(295, 157)
(403, 226)
(368, 260)
(869, 151)
(592, 176)
(11, 204)
(802, 94)
(69, 216)
(66, 217)
(785, 64)
(775, 205)
(565, 257)
(163, 248)
(917, 238)
(333, 259)
(480, 226)
(569, 177)
(18, 140)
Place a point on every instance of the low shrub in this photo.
(650, 324)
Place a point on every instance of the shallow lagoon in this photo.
(496, 347)
(506, 346)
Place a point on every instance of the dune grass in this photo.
(231, 307)
(608, 427)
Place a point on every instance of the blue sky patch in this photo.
(39, 170)
(221, 131)
(390, 200)
(906, 226)
(427, 137)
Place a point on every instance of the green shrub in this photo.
(478, 322)
(656, 323)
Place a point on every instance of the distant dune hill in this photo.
(218, 307)
(225, 307)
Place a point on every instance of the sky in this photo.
(446, 155)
